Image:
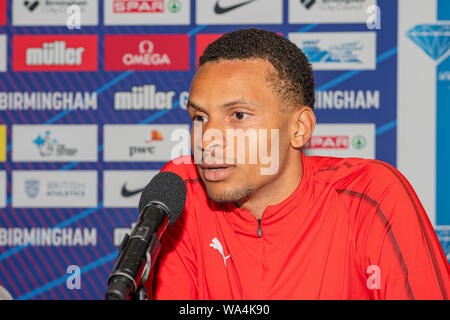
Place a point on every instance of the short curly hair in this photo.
(293, 81)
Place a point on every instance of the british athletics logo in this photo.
(146, 52)
(55, 53)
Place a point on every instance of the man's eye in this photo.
(240, 115)
(198, 118)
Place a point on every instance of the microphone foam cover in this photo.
(167, 188)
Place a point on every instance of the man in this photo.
(308, 228)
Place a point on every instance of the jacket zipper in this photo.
(259, 228)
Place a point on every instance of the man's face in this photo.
(234, 97)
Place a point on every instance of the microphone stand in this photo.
(151, 255)
(137, 257)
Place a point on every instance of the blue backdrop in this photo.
(40, 272)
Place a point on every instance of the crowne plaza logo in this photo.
(55, 53)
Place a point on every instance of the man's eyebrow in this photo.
(224, 105)
(195, 106)
(238, 101)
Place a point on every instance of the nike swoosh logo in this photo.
(127, 193)
(221, 10)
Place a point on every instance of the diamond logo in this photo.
(434, 39)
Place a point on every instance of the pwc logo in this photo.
(146, 52)
(149, 147)
(55, 53)
(155, 136)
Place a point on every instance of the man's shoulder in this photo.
(357, 173)
(366, 186)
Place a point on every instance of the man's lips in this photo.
(216, 172)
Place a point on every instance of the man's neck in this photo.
(277, 191)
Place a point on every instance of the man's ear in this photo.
(302, 123)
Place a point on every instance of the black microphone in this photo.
(161, 203)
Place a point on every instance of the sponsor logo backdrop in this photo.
(68, 193)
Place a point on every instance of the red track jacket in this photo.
(353, 229)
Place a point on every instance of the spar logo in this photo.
(336, 142)
(150, 52)
(328, 142)
(342, 140)
(55, 53)
(146, 6)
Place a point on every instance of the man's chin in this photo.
(224, 195)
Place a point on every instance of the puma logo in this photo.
(218, 246)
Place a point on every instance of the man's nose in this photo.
(211, 135)
(213, 143)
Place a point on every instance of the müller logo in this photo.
(147, 52)
(146, 56)
(55, 53)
